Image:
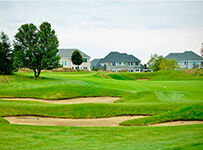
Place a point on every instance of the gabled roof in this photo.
(95, 63)
(187, 55)
(68, 53)
(119, 57)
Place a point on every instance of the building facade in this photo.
(65, 60)
(117, 62)
(187, 59)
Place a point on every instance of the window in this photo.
(131, 63)
(122, 63)
(84, 67)
(185, 63)
(136, 63)
(113, 64)
(65, 64)
(85, 59)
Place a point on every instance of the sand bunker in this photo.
(142, 79)
(177, 123)
(94, 122)
(71, 101)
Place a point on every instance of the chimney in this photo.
(201, 50)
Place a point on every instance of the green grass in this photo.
(160, 75)
(91, 138)
(167, 96)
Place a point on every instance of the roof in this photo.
(95, 63)
(119, 57)
(68, 53)
(187, 55)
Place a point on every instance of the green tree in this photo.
(154, 62)
(35, 48)
(169, 64)
(6, 56)
(76, 58)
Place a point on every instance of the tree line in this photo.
(37, 48)
(34, 48)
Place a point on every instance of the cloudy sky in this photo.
(97, 27)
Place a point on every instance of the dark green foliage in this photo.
(154, 62)
(6, 56)
(36, 48)
(95, 69)
(76, 58)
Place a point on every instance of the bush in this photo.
(63, 69)
(195, 71)
(25, 70)
(123, 70)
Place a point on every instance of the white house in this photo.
(66, 59)
(117, 62)
(187, 59)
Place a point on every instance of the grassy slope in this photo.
(160, 75)
(180, 100)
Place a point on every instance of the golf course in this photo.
(101, 110)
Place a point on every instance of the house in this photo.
(187, 59)
(95, 63)
(66, 59)
(116, 62)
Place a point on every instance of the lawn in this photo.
(166, 96)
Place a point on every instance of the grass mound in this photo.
(192, 112)
(159, 75)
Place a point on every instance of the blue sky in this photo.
(97, 27)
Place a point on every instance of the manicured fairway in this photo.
(165, 96)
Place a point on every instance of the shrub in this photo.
(195, 71)
(63, 69)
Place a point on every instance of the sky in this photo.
(98, 27)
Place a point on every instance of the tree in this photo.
(154, 62)
(36, 48)
(169, 64)
(6, 56)
(76, 58)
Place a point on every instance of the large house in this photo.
(116, 62)
(66, 59)
(187, 59)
